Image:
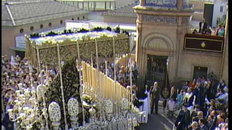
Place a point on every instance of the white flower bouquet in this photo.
(73, 107)
(54, 112)
(108, 106)
(125, 104)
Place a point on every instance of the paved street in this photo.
(158, 122)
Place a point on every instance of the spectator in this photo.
(179, 120)
(202, 124)
(203, 26)
(194, 126)
(180, 99)
(155, 95)
(195, 31)
(186, 86)
(221, 31)
(173, 94)
(221, 84)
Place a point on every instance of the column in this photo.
(179, 4)
(140, 54)
(114, 5)
(142, 2)
(105, 5)
(110, 6)
(224, 65)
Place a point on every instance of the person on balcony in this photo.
(221, 31)
(203, 26)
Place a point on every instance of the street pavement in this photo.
(159, 122)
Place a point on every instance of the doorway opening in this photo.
(21, 54)
(156, 69)
(199, 71)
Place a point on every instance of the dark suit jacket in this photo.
(205, 25)
(204, 127)
(187, 118)
(155, 94)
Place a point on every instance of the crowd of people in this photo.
(204, 28)
(17, 73)
(203, 105)
(122, 73)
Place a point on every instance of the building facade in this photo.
(23, 18)
(161, 44)
(93, 5)
(123, 14)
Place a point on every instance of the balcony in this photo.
(201, 42)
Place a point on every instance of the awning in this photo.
(18, 49)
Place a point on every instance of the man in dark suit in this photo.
(202, 123)
(183, 119)
(155, 95)
(179, 120)
(203, 26)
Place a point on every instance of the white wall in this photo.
(217, 13)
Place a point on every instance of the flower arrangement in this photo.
(108, 106)
(88, 99)
(73, 107)
(92, 111)
(125, 104)
(24, 111)
(135, 109)
(40, 91)
(54, 112)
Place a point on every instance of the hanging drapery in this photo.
(107, 84)
(165, 90)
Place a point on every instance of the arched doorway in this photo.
(158, 52)
(156, 69)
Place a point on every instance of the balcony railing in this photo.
(201, 42)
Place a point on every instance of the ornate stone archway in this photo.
(157, 44)
(160, 45)
(159, 41)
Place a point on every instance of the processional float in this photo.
(108, 103)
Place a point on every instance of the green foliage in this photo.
(117, 30)
(51, 33)
(82, 30)
(34, 35)
(97, 29)
(108, 28)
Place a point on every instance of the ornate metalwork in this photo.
(160, 19)
(162, 3)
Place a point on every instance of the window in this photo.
(21, 30)
(50, 24)
(41, 26)
(61, 21)
(221, 8)
(32, 28)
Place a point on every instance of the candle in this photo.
(106, 67)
